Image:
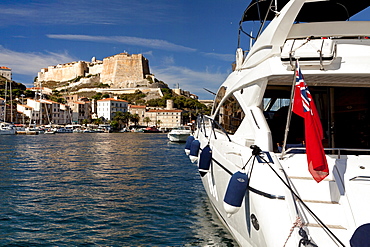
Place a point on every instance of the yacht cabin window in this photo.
(230, 115)
(344, 114)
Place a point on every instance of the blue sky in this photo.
(189, 42)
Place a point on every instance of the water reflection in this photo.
(103, 189)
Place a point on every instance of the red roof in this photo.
(3, 67)
(165, 111)
(112, 99)
(137, 106)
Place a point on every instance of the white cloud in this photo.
(190, 80)
(167, 61)
(148, 53)
(31, 63)
(222, 57)
(127, 40)
(77, 12)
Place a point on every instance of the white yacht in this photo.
(179, 134)
(255, 155)
(7, 129)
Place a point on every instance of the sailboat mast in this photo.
(11, 102)
(6, 86)
(40, 104)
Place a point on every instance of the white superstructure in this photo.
(252, 109)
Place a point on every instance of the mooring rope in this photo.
(298, 223)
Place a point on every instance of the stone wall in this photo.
(63, 72)
(95, 68)
(123, 70)
(119, 71)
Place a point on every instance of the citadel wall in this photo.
(119, 71)
(63, 72)
(124, 70)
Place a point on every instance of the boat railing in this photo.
(201, 124)
(327, 150)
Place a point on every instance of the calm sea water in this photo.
(124, 189)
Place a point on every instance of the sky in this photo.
(189, 43)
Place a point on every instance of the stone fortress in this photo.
(122, 72)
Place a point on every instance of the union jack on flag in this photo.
(304, 106)
(302, 90)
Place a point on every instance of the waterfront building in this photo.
(45, 112)
(80, 110)
(165, 118)
(107, 108)
(139, 110)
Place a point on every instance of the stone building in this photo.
(139, 110)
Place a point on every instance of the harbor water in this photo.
(106, 189)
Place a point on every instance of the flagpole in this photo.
(289, 111)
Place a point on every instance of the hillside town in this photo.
(119, 91)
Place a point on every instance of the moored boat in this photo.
(151, 129)
(179, 134)
(7, 129)
(284, 172)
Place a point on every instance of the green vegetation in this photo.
(192, 106)
(102, 85)
(135, 98)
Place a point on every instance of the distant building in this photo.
(43, 90)
(80, 110)
(107, 108)
(6, 72)
(139, 110)
(165, 118)
(45, 112)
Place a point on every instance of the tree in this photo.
(147, 120)
(122, 118)
(114, 124)
(97, 96)
(135, 118)
(98, 121)
(85, 121)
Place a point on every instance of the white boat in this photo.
(137, 130)
(7, 129)
(63, 130)
(50, 131)
(179, 134)
(268, 197)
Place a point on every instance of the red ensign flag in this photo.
(304, 106)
